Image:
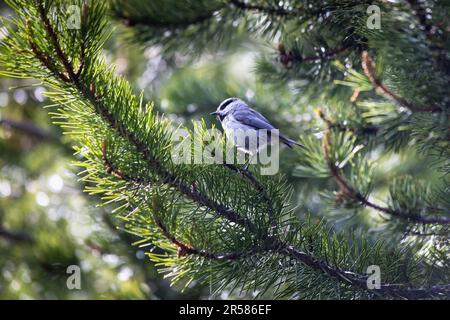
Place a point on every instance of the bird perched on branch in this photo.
(249, 130)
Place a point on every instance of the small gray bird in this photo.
(236, 116)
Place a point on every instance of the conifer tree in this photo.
(375, 87)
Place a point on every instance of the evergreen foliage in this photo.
(380, 92)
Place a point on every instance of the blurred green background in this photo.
(47, 223)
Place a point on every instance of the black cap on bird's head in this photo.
(224, 108)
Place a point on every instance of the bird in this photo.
(237, 118)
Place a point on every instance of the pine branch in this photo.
(369, 71)
(111, 169)
(166, 176)
(351, 193)
(90, 94)
(186, 249)
(54, 37)
(247, 174)
(287, 57)
(273, 244)
(46, 62)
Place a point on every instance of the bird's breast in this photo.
(242, 136)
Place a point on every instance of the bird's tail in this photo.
(290, 143)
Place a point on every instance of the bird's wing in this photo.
(256, 120)
(252, 118)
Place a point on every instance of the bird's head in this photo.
(227, 106)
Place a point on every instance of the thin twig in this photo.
(166, 176)
(186, 249)
(183, 248)
(46, 62)
(248, 175)
(369, 70)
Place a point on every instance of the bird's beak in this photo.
(213, 113)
